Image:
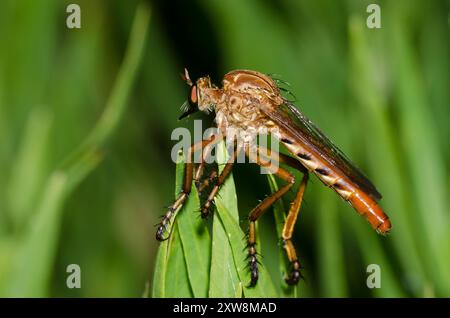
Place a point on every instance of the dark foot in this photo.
(163, 227)
(253, 265)
(160, 232)
(207, 209)
(295, 274)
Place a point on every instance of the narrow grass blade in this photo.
(39, 241)
(373, 254)
(28, 172)
(418, 138)
(383, 151)
(117, 101)
(331, 254)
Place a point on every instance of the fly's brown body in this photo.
(251, 103)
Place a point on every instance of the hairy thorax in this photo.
(243, 93)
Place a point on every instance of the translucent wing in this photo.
(290, 119)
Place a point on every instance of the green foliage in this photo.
(85, 141)
(225, 274)
(38, 239)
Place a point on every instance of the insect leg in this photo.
(187, 184)
(206, 208)
(200, 169)
(288, 230)
(261, 208)
(210, 179)
(291, 218)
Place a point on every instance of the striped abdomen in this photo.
(363, 203)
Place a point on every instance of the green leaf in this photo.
(196, 244)
(264, 287)
(224, 279)
(227, 216)
(161, 263)
(227, 212)
(177, 281)
(159, 275)
(226, 263)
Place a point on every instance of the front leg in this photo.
(208, 205)
(201, 167)
(186, 190)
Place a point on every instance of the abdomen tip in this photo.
(384, 227)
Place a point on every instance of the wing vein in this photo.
(296, 124)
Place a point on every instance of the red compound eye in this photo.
(194, 94)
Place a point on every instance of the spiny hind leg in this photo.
(288, 230)
(291, 219)
(261, 208)
(163, 226)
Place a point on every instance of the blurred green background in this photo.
(80, 185)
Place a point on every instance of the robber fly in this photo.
(250, 100)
